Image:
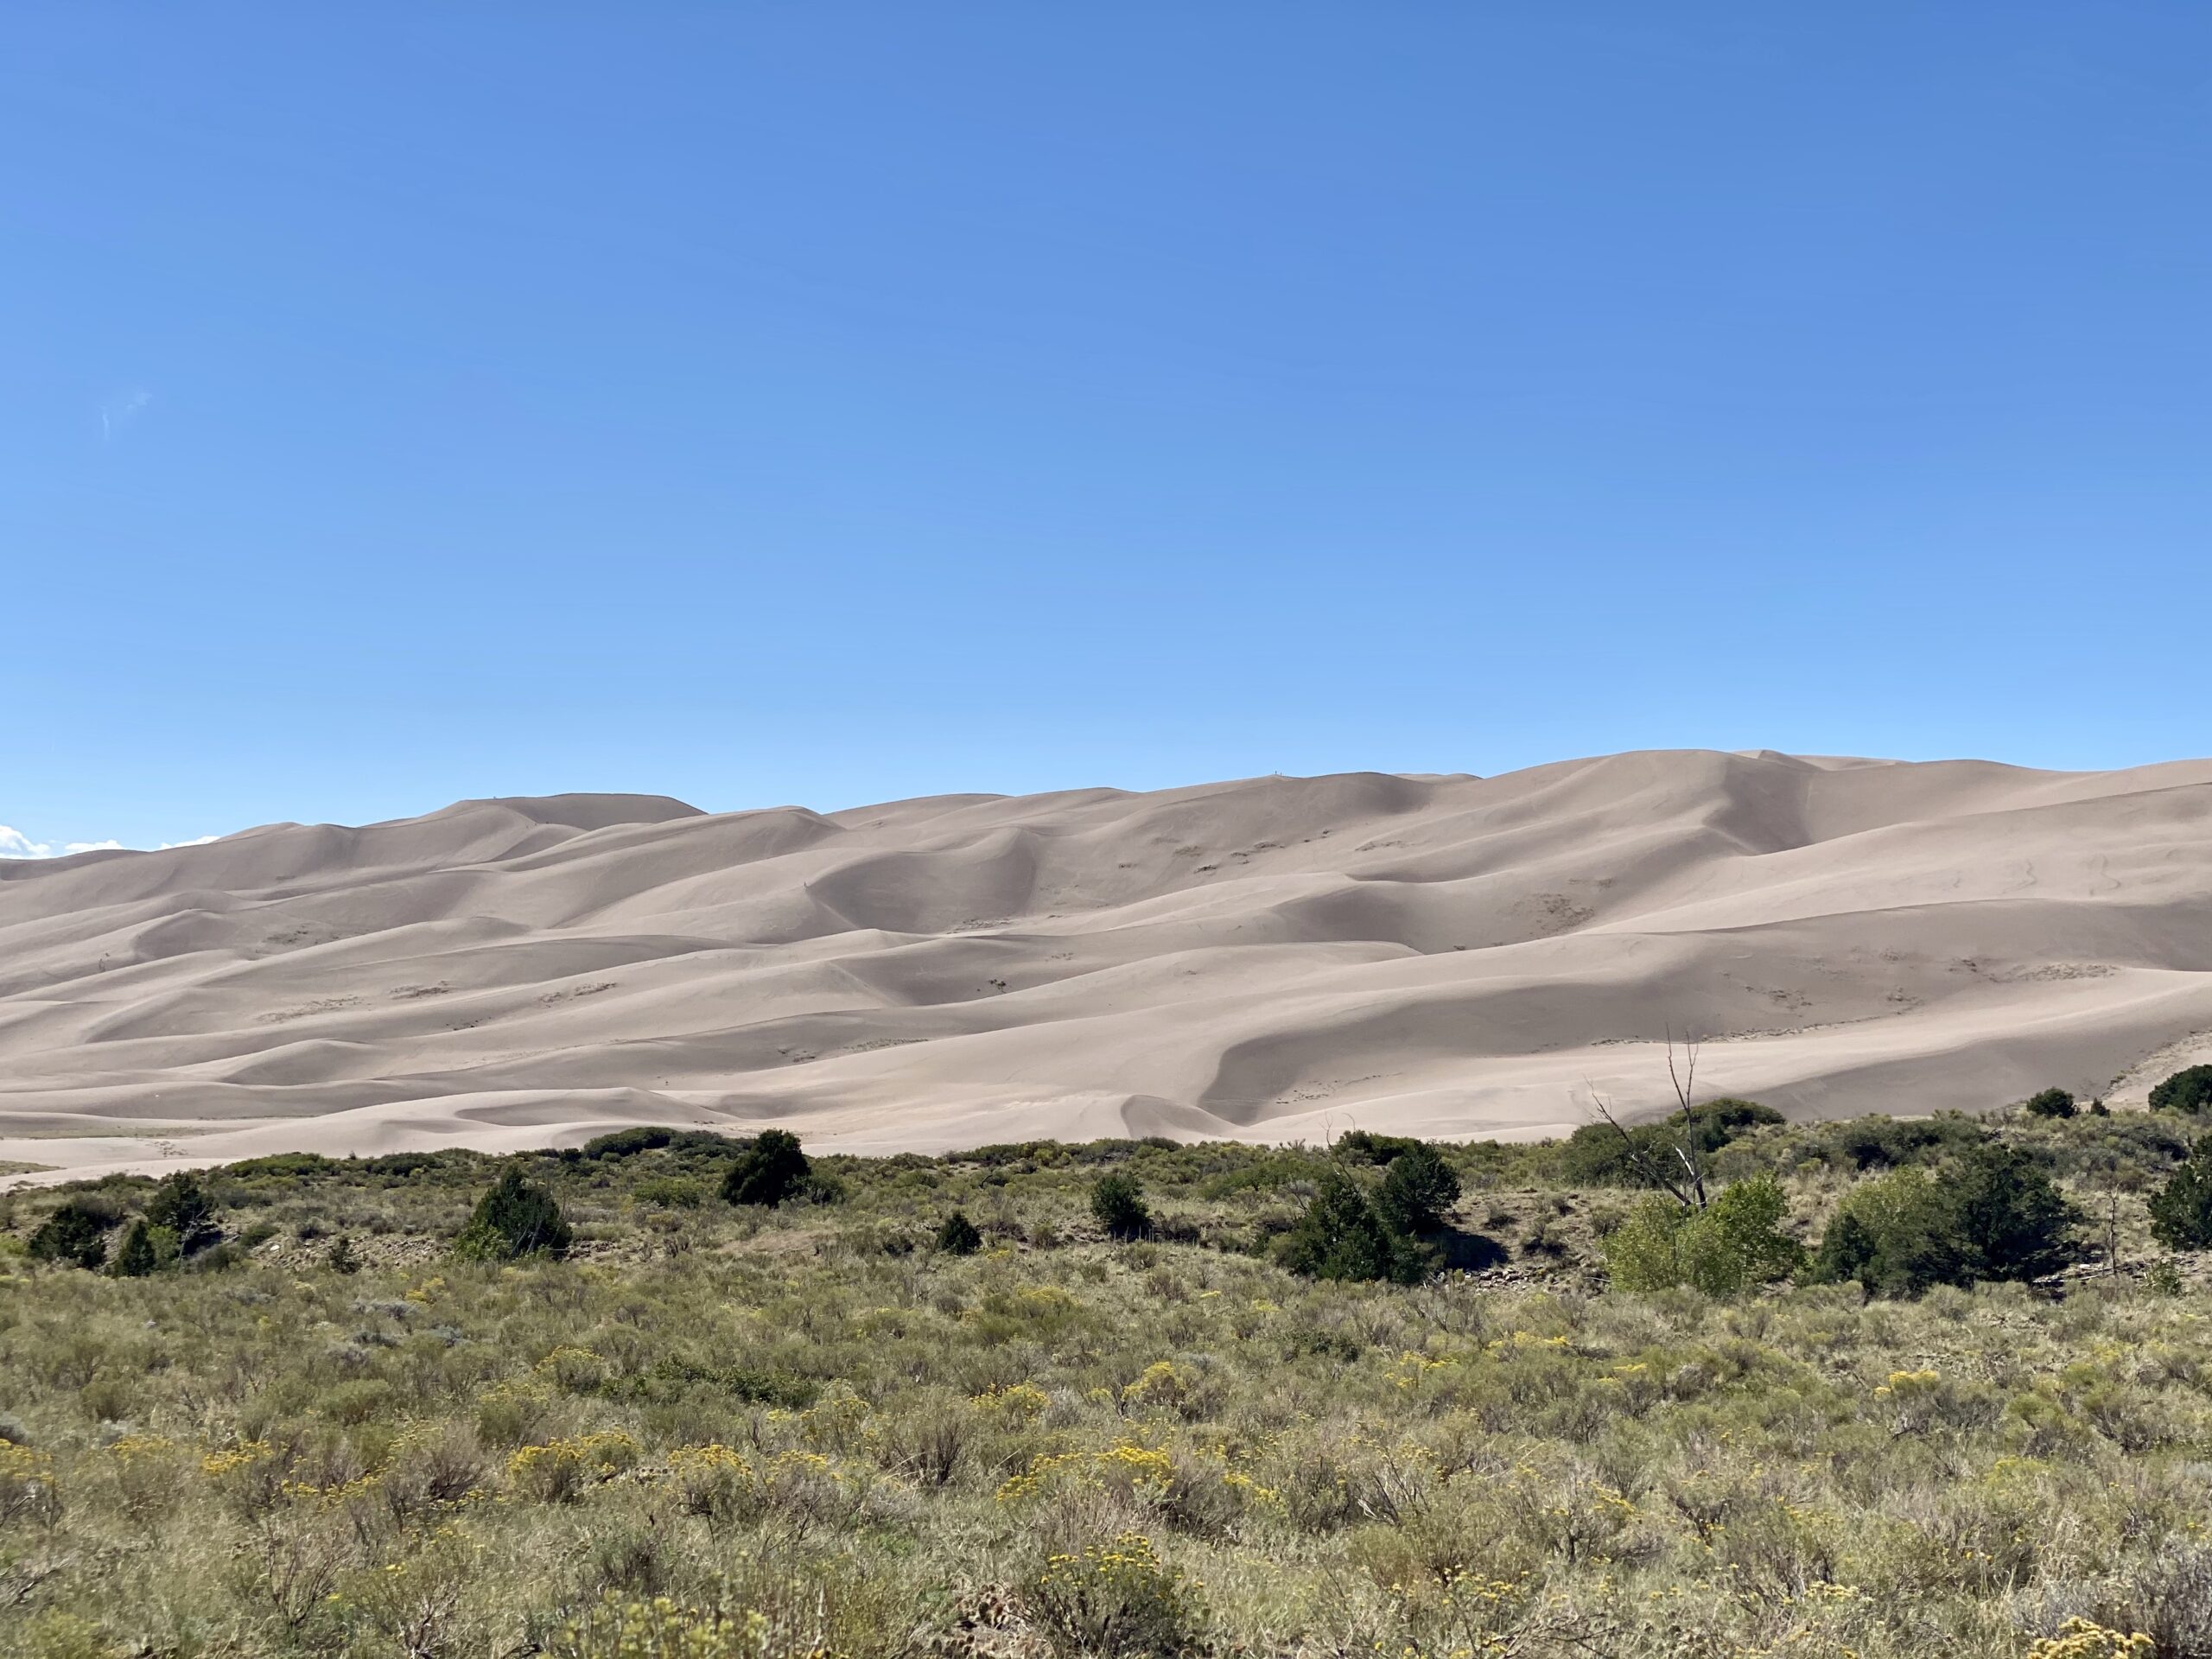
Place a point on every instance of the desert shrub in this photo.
(768, 1172)
(1341, 1237)
(2187, 1090)
(654, 1630)
(957, 1236)
(1418, 1190)
(625, 1143)
(2181, 1210)
(1117, 1201)
(558, 1470)
(1598, 1155)
(1366, 1146)
(182, 1205)
(515, 1218)
(671, 1192)
(2050, 1103)
(1105, 1601)
(1880, 1142)
(1736, 1242)
(75, 1233)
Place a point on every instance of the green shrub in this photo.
(75, 1233)
(516, 1218)
(182, 1205)
(2016, 1224)
(136, 1259)
(1994, 1215)
(1117, 1201)
(1598, 1155)
(2050, 1103)
(1734, 1242)
(769, 1172)
(625, 1143)
(2181, 1210)
(1341, 1237)
(1418, 1190)
(2187, 1090)
(958, 1236)
(671, 1192)
(1879, 1143)
(1366, 1146)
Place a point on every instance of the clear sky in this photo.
(830, 403)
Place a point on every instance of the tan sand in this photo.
(1275, 959)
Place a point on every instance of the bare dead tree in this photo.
(1678, 1169)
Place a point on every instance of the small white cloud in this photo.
(118, 412)
(14, 844)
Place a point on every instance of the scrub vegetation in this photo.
(1885, 1387)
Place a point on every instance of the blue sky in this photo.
(834, 402)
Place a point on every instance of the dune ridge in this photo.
(1273, 958)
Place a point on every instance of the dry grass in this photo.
(805, 1431)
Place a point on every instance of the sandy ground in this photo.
(1273, 959)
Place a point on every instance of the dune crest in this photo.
(1272, 958)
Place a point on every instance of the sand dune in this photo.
(1269, 959)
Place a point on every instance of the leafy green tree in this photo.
(1734, 1242)
(514, 1219)
(2050, 1103)
(2188, 1090)
(2181, 1210)
(1418, 1190)
(1897, 1234)
(1340, 1237)
(136, 1258)
(76, 1233)
(958, 1236)
(769, 1171)
(182, 1205)
(1117, 1200)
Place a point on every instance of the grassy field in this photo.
(715, 1429)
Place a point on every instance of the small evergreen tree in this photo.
(769, 1171)
(341, 1257)
(2187, 1090)
(136, 1258)
(1117, 1200)
(514, 1219)
(2050, 1103)
(182, 1205)
(1341, 1237)
(75, 1233)
(1418, 1190)
(2014, 1221)
(958, 1236)
(1992, 1215)
(2181, 1210)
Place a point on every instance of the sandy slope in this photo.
(1275, 958)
